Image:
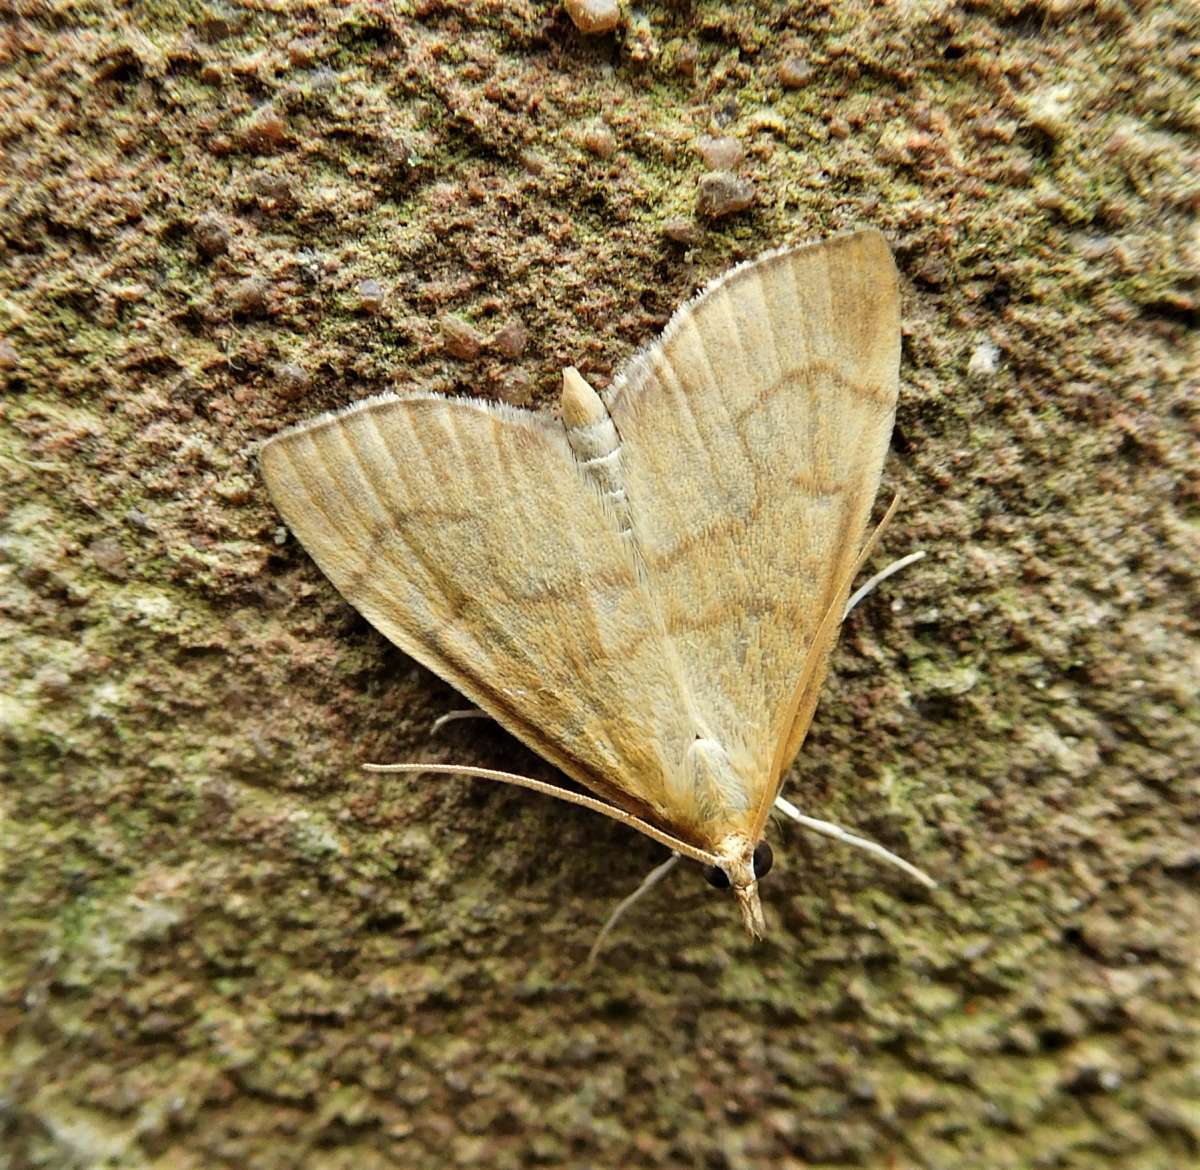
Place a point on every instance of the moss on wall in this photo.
(223, 945)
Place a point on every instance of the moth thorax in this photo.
(710, 781)
(594, 441)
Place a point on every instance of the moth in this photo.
(646, 589)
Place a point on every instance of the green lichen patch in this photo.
(224, 944)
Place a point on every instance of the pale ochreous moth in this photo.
(645, 590)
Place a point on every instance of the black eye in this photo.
(716, 877)
(764, 858)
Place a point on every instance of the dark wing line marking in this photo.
(436, 656)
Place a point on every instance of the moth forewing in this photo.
(758, 425)
(634, 590)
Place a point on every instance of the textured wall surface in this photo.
(222, 944)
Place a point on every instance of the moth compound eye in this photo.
(716, 877)
(764, 858)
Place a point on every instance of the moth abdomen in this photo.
(595, 443)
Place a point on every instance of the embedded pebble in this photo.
(53, 681)
(292, 380)
(516, 387)
(370, 296)
(985, 360)
(460, 339)
(512, 339)
(211, 235)
(795, 73)
(265, 131)
(398, 160)
(593, 16)
(235, 489)
(248, 297)
(721, 193)
(720, 154)
(108, 556)
(681, 231)
(272, 191)
(600, 140)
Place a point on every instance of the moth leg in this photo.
(829, 829)
(454, 716)
(648, 883)
(883, 574)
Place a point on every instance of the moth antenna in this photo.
(609, 810)
(883, 574)
(829, 829)
(454, 716)
(648, 883)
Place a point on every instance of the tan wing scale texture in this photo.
(464, 533)
(751, 439)
(754, 436)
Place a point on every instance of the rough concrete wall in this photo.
(224, 945)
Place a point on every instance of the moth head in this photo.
(740, 866)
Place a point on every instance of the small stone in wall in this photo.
(511, 339)
(593, 16)
(291, 380)
(721, 193)
(600, 140)
(370, 296)
(108, 556)
(795, 73)
(211, 236)
(248, 298)
(681, 231)
(460, 339)
(985, 360)
(720, 154)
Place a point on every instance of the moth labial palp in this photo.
(595, 444)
